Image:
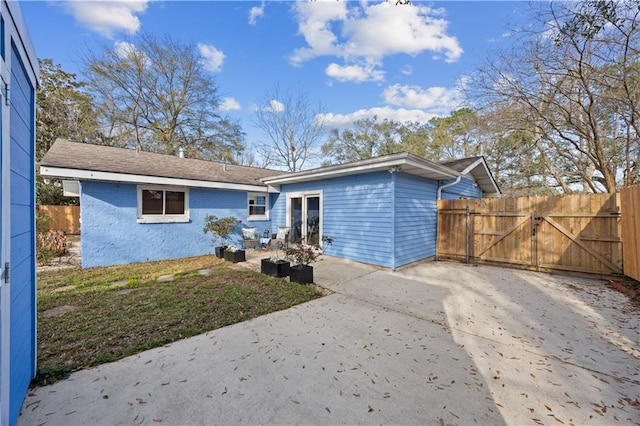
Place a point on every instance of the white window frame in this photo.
(254, 195)
(163, 218)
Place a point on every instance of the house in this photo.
(140, 206)
(19, 70)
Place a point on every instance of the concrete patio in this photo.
(437, 343)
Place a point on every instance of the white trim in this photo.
(258, 217)
(77, 174)
(5, 232)
(392, 162)
(162, 218)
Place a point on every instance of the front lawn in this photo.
(92, 316)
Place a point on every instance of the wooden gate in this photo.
(576, 233)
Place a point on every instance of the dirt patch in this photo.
(58, 310)
(628, 287)
(71, 259)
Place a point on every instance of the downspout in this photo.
(438, 197)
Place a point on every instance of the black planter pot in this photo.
(301, 274)
(234, 256)
(220, 251)
(279, 269)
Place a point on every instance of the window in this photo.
(258, 206)
(162, 204)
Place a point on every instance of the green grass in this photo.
(112, 322)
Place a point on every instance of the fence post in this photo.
(467, 256)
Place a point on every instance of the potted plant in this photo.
(275, 266)
(234, 254)
(220, 228)
(301, 256)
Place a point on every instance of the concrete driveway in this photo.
(439, 343)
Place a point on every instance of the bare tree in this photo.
(574, 92)
(291, 125)
(155, 94)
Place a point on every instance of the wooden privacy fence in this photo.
(630, 204)
(577, 233)
(63, 218)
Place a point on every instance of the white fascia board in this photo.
(363, 168)
(475, 164)
(438, 168)
(141, 179)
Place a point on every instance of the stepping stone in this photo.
(165, 278)
(58, 310)
(120, 283)
(65, 288)
(205, 272)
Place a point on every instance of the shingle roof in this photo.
(81, 156)
(461, 164)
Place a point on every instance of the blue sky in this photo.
(356, 58)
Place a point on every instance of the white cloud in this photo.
(107, 17)
(275, 106)
(255, 13)
(213, 58)
(230, 104)
(366, 33)
(357, 73)
(407, 70)
(436, 99)
(342, 121)
(124, 49)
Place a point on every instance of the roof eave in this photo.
(394, 163)
(100, 176)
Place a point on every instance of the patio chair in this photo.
(282, 238)
(250, 237)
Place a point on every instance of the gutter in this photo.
(440, 188)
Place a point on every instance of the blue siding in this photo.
(23, 279)
(415, 219)
(465, 188)
(357, 211)
(111, 234)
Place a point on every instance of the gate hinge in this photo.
(6, 272)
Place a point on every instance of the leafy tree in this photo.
(155, 94)
(292, 126)
(64, 110)
(370, 137)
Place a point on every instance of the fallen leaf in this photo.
(370, 408)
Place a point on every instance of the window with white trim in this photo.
(157, 204)
(258, 206)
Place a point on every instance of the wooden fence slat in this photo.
(630, 206)
(580, 233)
(63, 218)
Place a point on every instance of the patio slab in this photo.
(438, 343)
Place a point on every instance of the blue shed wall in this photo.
(23, 276)
(465, 188)
(111, 234)
(415, 219)
(357, 211)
